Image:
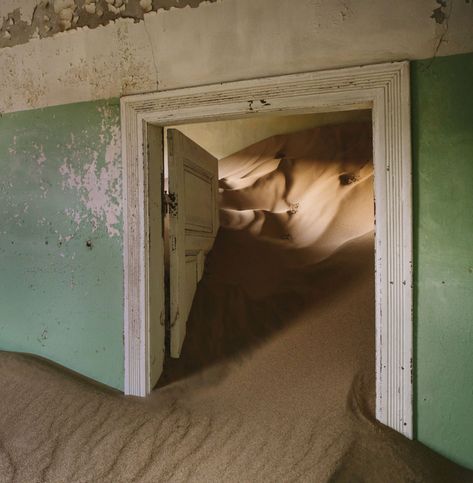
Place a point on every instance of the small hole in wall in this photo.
(88, 244)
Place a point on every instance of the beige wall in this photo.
(222, 41)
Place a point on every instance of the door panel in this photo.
(193, 178)
(156, 307)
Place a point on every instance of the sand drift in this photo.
(276, 377)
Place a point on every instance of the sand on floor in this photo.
(276, 379)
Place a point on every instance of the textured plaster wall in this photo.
(61, 283)
(442, 101)
(221, 41)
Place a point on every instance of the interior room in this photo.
(270, 169)
(235, 241)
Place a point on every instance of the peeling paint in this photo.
(192, 46)
(92, 170)
(97, 181)
(52, 16)
(439, 14)
(47, 219)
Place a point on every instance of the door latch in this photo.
(170, 203)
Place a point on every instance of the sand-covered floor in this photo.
(276, 379)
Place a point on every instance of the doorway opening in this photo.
(384, 90)
(296, 243)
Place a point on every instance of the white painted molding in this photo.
(385, 89)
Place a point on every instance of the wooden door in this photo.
(156, 299)
(193, 225)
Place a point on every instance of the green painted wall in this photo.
(60, 188)
(442, 103)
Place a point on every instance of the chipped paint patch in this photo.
(159, 53)
(98, 181)
(52, 16)
(41, 156)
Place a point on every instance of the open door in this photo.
(193, 225)
(156, 304)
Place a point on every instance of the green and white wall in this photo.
(61, 283)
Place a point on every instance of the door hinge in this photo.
(170, 203)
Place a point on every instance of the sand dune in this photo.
(308, 189)
(276, 378)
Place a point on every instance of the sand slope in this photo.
(294, 404)
(311, 191)
(276, 381)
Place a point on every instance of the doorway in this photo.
(383, 89)
(296, 208)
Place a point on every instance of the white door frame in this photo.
(384, 88)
